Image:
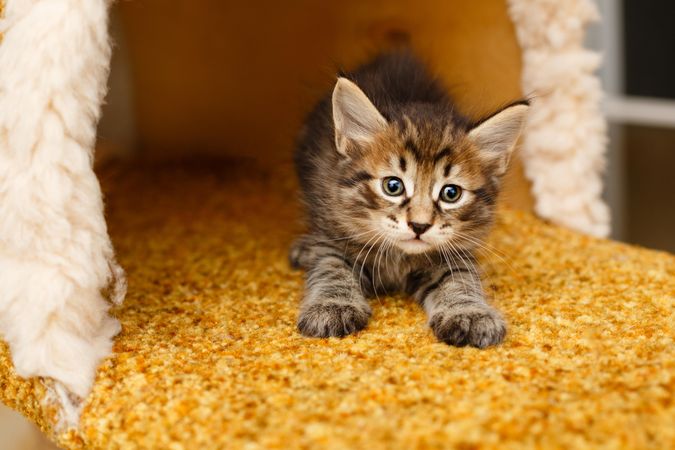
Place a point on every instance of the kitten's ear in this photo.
(496, 136)
(355, 118)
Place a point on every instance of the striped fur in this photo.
(363, 241)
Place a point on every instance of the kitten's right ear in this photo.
(355, 117)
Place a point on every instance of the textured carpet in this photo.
(209, 355)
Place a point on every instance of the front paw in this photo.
(476, 325)
(333, 319)
(295, 254)
(301, 254)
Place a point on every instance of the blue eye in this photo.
(393, 186)
(450, 193)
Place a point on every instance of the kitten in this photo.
(399, 190)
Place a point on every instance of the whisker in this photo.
(356, 261)
(392, 243)
(472, 266)
(376, 267)
(387, 245)
(431, 263)
(378, 256)
(481, 243)
(452, 252)
(346, 247)
(351, 236)
(365, 259)
(445, 258)
(490, 250)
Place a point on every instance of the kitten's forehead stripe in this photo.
(402, 163)
(356, 178)
(371, 199)
(444, 153)
(414, 149)
(446, 170)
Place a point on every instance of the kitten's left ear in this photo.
(496, 136)
(355, 118)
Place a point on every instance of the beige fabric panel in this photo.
(236, 78)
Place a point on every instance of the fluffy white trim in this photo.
(564, 141)
(55, 254)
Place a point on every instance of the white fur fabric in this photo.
(55, 254)
(564, 141)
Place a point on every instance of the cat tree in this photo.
(208, 355)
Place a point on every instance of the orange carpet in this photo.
(209, 356)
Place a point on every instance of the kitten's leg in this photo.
(55, 255)
(333, 303)
(458, 312)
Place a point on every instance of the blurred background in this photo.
(204, 77)
(230, 85)
(637, 41)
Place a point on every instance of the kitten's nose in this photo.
(419, 228)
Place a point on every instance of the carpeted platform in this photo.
(209, 356)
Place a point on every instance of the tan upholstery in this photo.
(209, 356)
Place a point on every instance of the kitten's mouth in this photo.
(414, 245)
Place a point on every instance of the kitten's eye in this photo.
(450, 193)
(393, 186)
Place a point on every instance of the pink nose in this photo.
(419, 228)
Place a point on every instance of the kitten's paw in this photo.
(478, 325)
(295, 254)
(333, 319)
(300, 254)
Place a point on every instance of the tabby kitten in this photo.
(399, 190)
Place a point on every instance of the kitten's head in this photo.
(421, 179)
